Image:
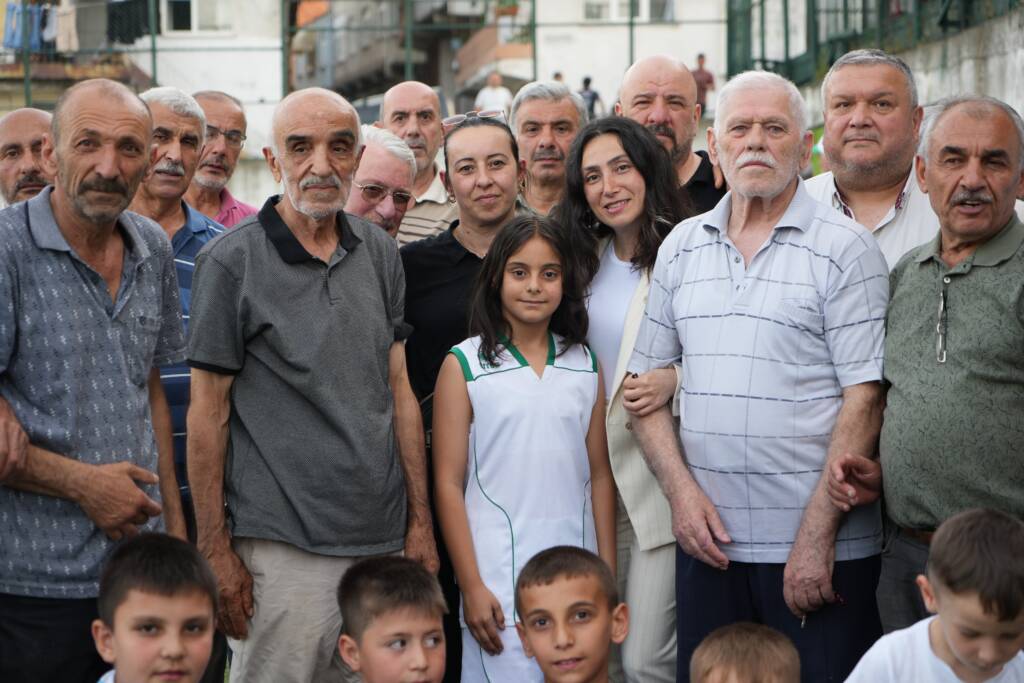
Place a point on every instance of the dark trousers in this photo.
(830, 643)
(48, 640)
(446, 577)
(899, 599)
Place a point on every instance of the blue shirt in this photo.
(186, 243)
(74, 366)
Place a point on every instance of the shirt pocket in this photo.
(138, 352)
(803, 314)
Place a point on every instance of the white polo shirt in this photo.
(766, 351)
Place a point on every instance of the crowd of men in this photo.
(173, 358)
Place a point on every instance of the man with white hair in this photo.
(872, 116)
(383, 180)
(299, 395)
(546, 116)
(779, 328)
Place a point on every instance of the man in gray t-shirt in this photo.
(88, 310)
(302, 419)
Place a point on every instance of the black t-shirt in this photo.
(701, 187)
(439, 277)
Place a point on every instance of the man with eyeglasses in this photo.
(952, 430)
(384, 180)
(225, 135)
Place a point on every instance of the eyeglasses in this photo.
(941, 326)
(375, 193)
(457, 120)
(233, 138)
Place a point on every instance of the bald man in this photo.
(412, 111)
(659, 92)
(324, 449)
(21, 162)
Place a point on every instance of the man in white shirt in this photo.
(493, 96)
(872, 118)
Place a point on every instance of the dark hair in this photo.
(485, 313)
(586, 81)
(981, 551)
(753, 652)
(566, 562)
(378, 585)
(665, 204)
(475, 122)
(153, 563)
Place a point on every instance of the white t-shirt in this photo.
(493, 98)
(610, 293)
(906, 655)
(107, 677)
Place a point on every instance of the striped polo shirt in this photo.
(766, 350)
(431, 215)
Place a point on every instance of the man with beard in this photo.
(225, 136)
(545, 120)
(302, 419)
(412, 111)
(383, 180)
(21, 161)
(89, 310)
(871, 121)
(659, 92)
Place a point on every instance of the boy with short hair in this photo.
(569, 614)
(975, 587)
(157, 608)
(391, 612)
(745, 652)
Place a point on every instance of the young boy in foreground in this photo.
(745, 653)
(157, 611)
(975, 587)
(569, 614)
(391, 611)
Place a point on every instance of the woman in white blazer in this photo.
(621, 200)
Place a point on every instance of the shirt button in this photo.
(736, 259)
(629, 426)
(946, 280)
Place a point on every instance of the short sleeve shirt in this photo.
(312, 459)
(74, 366)
(232, 211)
(766, 351)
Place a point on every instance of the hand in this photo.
(854, 480)
(484, 617)
(13, 443)
(643, 394)
(234, 583)
(807, 579)
(112, 499)
(420, 546)
(698, 528)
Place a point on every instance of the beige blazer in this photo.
(645, 503)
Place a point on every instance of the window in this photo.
(192, 15)
(619, 10)
(595, 10)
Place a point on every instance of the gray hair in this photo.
(872, 58)
(218, 95)
(549, 91)
(178, 101)
(976, 105)
(761, 80)
(394, 145)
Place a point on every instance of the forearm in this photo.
(207, 452)
(50, 474)
(163, 432)
(412, 452)
(602, 491)
(451, 513)
(659, 444)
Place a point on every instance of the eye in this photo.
(148, 629)
(738, 129)
(398, 644)
(840, 105)
(86, 143)
(582, 615)
(398, 118)
(433, 641)
(426, 116)
(530, 129)
(563, 129)
(623, 167)
(12, 153)
(300, 148)
(465, 169)
(540, 623)
(190, 142)
(552, 274)
(161, 136)
(517, 272)
(591, 178)
(196, 629)
(496, 163)
(776, 129)
(883, 105)
(677, 104)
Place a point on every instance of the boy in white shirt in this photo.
(975, 587)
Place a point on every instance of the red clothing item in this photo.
(232, 211)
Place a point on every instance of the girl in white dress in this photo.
(520, 458)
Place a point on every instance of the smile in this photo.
(616, 206)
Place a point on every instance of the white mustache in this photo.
(964, 196)
(756, 158)
(168, 166)
(331, 180)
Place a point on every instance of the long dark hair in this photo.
(665, 204)
(485, 313)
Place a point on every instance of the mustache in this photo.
(331, 180)
(218, 159)
(756, 158)
(547, 153)
(112, 185)
(662, 129)
(33, 178)
(416, 141)
(170, 166)
(977, 196)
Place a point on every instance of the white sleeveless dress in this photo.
(527, 479)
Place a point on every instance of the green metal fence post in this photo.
(153, 29)
(285, 56)
(533, 35)
(632, 37)
(408, 40)
(26, 62)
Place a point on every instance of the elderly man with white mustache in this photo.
(302, 418)
(774, 304)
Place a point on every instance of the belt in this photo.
(919, 535)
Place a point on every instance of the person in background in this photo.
(595, 106)
(22, 175)
(494, 96)
(744, 653)
(383, 180)
(705, 81)
(412, 111)
(225, 136)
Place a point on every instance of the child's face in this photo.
(531, 287)
(568, 627)
(974, 643)
(722, 675)
(402, 646)
(158, 637)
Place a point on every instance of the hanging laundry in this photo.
(12, 26)
(67, 29)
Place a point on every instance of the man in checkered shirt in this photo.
(774, 304)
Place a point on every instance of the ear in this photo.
(348, 648)
(618, 108)
(927, 593)
(918, 117)
(712, 146)
(49, 155)
(378, 124)
(620, 623)
(103, 637)
(919, 171)
(444, 181)
(522, 166)
(521, 630)
(696, 113)
(808, 146)
(272, 163)
(359, 157)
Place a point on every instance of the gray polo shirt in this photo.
(73, 366)
(312, 459)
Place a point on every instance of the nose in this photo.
(546, 138)
(172, 646)
(563, 636)
(386, 207)
(107, 162)
(755, 138)
(860, 115)
(658, 113)
(609, 185)
(973, 177)
(417, 657)
(172, 150)
(320, 161)
(29, 163)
